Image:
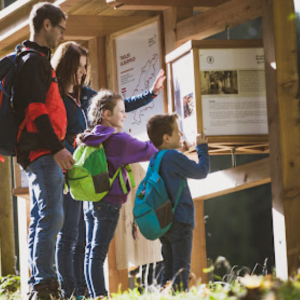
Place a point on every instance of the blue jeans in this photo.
(177, 252)
(70, 249)
(46, 217)
(101, 220)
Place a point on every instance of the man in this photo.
(41, 152)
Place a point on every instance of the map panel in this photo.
(138, 63)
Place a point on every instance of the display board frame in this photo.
(114, 70)
(192, 47)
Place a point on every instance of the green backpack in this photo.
(89, 179)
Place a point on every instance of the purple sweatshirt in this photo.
(120, 149)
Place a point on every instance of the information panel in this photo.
(233, 91)
(138, 61)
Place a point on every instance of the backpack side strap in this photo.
(122, 182)
(183, 183)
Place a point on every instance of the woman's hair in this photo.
(42, 11)
(104, 100)
(65, 62)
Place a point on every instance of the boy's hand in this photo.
(159, 82)
(201, 139)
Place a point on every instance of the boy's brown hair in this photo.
(159, 125)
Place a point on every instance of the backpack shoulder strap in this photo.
(158, 159)
(21, 52)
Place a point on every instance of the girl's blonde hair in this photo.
(104, 100)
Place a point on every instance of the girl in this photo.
(70, 64)
(106, 116)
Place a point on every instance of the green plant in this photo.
(10, 287)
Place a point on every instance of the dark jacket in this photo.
(37, 100)
(77, 115)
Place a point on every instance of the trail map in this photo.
(138, 63)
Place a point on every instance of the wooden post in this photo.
(97, 63)
(117, 278)
(282, 81)
(23, 224)
(7, 244)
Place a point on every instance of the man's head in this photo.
(47, 24)
(164, 131)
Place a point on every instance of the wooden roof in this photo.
(91, 18)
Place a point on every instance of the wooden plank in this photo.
(102, 79)
(206, 24)
(7, 235)
(93, 63)
(231, 180)
(282, 81)
(23, 224)
(157, 4)
(91, 27)
(211, 44)
(199, 258)
(11, 10)
(94, 26)
(117, 278)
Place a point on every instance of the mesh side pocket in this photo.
(164, 214)
(101, 183)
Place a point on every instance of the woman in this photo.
(70, 64)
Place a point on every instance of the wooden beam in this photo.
(94, 26)
(11, 10)
(231, 180)
(282, 87)
(199, 257)
(97, 63)
(90, 27)
(117, 278)
(215, 20)
(7, 235)
(162, 4)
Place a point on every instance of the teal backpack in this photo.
(153, 212)
(89, 179)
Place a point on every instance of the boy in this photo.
(164, 133)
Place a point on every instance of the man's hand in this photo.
(64, 159)
(201, 139)
(159, 82)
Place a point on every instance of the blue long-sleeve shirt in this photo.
(174, 166)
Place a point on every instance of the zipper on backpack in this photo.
(145, 213)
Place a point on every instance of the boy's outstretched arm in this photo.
(185, 167)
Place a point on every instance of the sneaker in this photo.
(45, 292)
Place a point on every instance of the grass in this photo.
(249, 287)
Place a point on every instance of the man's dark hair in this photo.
(159, 125)
(42, 11)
